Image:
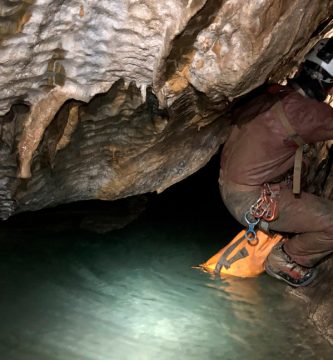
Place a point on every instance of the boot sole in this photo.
(305, 283)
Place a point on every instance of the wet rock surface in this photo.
(318, 299)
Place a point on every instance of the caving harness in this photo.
(253, 246)
(298, 141)
(265, 208)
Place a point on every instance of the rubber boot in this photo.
(279, 265)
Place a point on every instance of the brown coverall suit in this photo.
(259, 152)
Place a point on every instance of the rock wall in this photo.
(57, 56)
(317, 299)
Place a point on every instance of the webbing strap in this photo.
(299, 152)
(223, 261)
(297, 171)
(285, 122)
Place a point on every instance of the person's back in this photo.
(261, 150)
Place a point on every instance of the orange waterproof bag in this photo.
(242, 258)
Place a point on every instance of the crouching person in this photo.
(259, 156)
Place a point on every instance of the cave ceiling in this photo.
(112, 98)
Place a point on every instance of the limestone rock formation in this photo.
(108, 99)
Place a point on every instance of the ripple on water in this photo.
(133, 294)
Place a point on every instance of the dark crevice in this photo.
(323, 28)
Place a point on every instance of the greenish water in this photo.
(132, 294)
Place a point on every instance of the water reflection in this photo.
(133, 294)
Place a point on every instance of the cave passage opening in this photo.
(195, 199)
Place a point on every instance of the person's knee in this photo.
(326, 223)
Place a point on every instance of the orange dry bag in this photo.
(241, 258)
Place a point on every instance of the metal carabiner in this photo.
(251, 234)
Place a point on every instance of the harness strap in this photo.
(298, 170)
(298, 140)
(223, 261)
